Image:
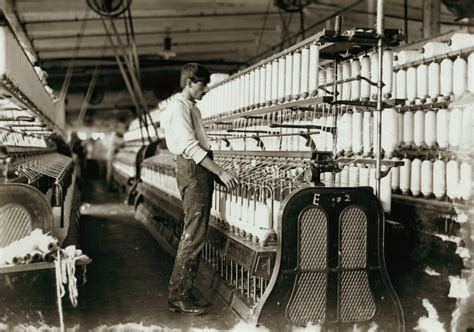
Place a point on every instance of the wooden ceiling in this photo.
(224, 34)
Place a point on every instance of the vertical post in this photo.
(378, 112)
(431, 17)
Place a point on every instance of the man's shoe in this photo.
(200, 301)
(185, 308)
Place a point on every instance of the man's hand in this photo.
(230, 180)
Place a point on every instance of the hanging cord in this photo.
(134, 69)
(124, 75)
(134, 45)
(132, 79)
(302, 31)
(136, 62)
(263, 26)
(70, 69)
(65, 270)
(59, 290)
(90, 89)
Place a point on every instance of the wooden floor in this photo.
(127, 280)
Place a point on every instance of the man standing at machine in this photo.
(195, 173)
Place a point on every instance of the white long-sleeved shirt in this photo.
(184, 131)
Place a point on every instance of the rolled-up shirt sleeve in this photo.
(180, 135)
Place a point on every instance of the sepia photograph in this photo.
(236, 165)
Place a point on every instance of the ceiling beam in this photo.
(163, 33)
(68, 16)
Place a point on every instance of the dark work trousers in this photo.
(196, 185)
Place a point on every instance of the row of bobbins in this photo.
(440, 79)
(246, 213)
(434, 178)
(160, 178)
(290, 77)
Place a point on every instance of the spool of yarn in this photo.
(353, 176)
(228, 209)
(465, 180)
(313, 69)
(431, 49)
(240, 92)
(422, 82)
(289, 76)
(430, 128)
(387, 73)
(394, 84)
(340, 134)
(257, 87)
(395, 175)
(339, 88)
(415, 177)
(276, 80)
(367, 132)
(269, 83)
(442, 126)
(245, 213)
(345, 176)
(461, 40)
(401, 78)
(386, 191)
(405, 176)
(296, 75)
(263, 216)
(406, 56)
(321, 81)
(374, 73)
(400, 127)
(252, 90)
(330, 78)
(470, 72)
(281, 79)
(245, 101)
(466, 139)
(355, 85)
(459, 74)
(427, 178)
(455, 127)
(411, 84)
(365, 72)
(364, 176)
(390, 131)
(346, 132)
(439, 178)
(434, 81)
(357, 146)
(446, 83)
(452, 179)
(250, 230)
(329, 178)
(346, 74)
(337, 179)
(304, 84)
(419, 128)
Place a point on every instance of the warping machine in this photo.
(37, 170)
(295, 243)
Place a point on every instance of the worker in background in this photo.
(195, 174)
(78, 148)
(113, 143)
